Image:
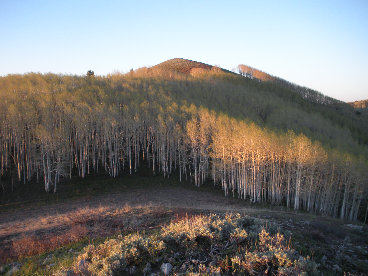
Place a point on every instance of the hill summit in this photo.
(186, 66)
(191, 67)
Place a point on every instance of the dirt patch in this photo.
(21, 220)
(33, 230)
(34, 236)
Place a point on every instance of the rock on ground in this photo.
(166, 268)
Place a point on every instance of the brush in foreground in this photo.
(226, 244)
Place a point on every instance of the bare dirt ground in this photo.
(30, 219)
(31, 230)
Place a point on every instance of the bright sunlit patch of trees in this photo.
(258, 144)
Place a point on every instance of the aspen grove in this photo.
(54, 127)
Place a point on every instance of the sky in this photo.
(320, 44)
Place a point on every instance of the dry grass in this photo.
(35, 230)
(53, 232)
(33, 245)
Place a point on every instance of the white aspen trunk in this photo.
(343, 206)
(352, 209)
(254, 197)
(297, 188)
(310, 194)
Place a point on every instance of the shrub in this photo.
(201, 244)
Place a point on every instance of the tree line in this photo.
(53, 127)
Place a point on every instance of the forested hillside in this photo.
(263, 141)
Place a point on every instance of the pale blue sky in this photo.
(319, 44)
